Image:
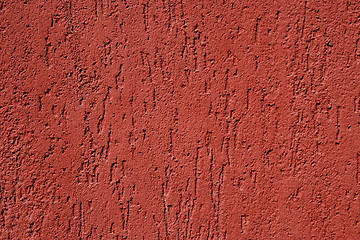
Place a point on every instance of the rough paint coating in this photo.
(179, 119)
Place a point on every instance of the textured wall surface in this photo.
(180, 119)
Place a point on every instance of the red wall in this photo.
(180, 119)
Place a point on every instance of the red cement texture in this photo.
(180, 119)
